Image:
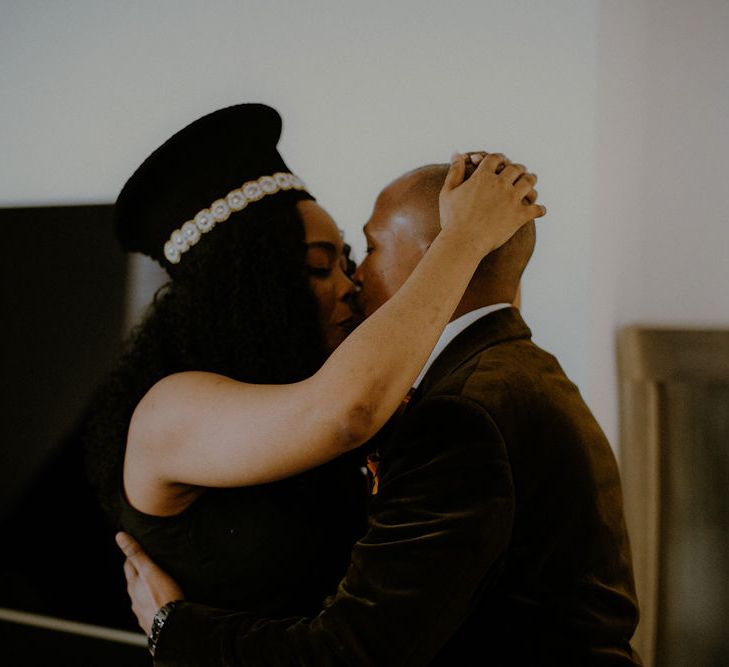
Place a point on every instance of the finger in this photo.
(527, 176)
(477, 157)
(130, 572)
(536, 211)
(524, 185)
(493, 163)
(134, 553)
(456, 173)
(530, 197)
(129, 546)
(512, 172)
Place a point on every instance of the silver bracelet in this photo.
(159, 620)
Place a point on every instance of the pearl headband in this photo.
(181, 240)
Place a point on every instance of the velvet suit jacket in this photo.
(496, 538)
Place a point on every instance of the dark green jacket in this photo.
(497, 536)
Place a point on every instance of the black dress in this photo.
(274, 549)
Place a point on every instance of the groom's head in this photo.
(405, 221)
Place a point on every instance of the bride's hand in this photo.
(487, 208)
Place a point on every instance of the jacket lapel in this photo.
(492, 329)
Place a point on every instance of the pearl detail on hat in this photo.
(181, 240)
(204, 220)
(283, 180)
(220, 210)
(191, 232)
(236, 200)
(253, 191)
(268, 184)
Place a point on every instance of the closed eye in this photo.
(318, 273)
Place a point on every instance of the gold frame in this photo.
(648, 359)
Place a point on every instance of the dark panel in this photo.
(63, 303)
(63, 279)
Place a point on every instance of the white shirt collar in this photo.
(453, 329)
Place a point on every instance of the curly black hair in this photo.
(239, 304)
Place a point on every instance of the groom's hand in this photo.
(149, 586)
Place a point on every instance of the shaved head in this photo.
(403, 224)
(501, 270)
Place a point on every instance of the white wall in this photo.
(661, 228)
(685, 241)
(597, 97)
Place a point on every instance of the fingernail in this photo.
(455, 157)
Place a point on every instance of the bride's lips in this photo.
(350, 324)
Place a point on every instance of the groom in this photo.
(497, 532)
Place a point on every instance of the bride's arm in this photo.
(203, 429)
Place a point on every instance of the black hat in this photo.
(200, 177)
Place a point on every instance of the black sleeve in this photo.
(437, 528)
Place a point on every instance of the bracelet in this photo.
(159, 620)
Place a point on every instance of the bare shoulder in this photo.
(173, 401)
(160, 425)
(197, 430)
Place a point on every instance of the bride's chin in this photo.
(336, 336)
